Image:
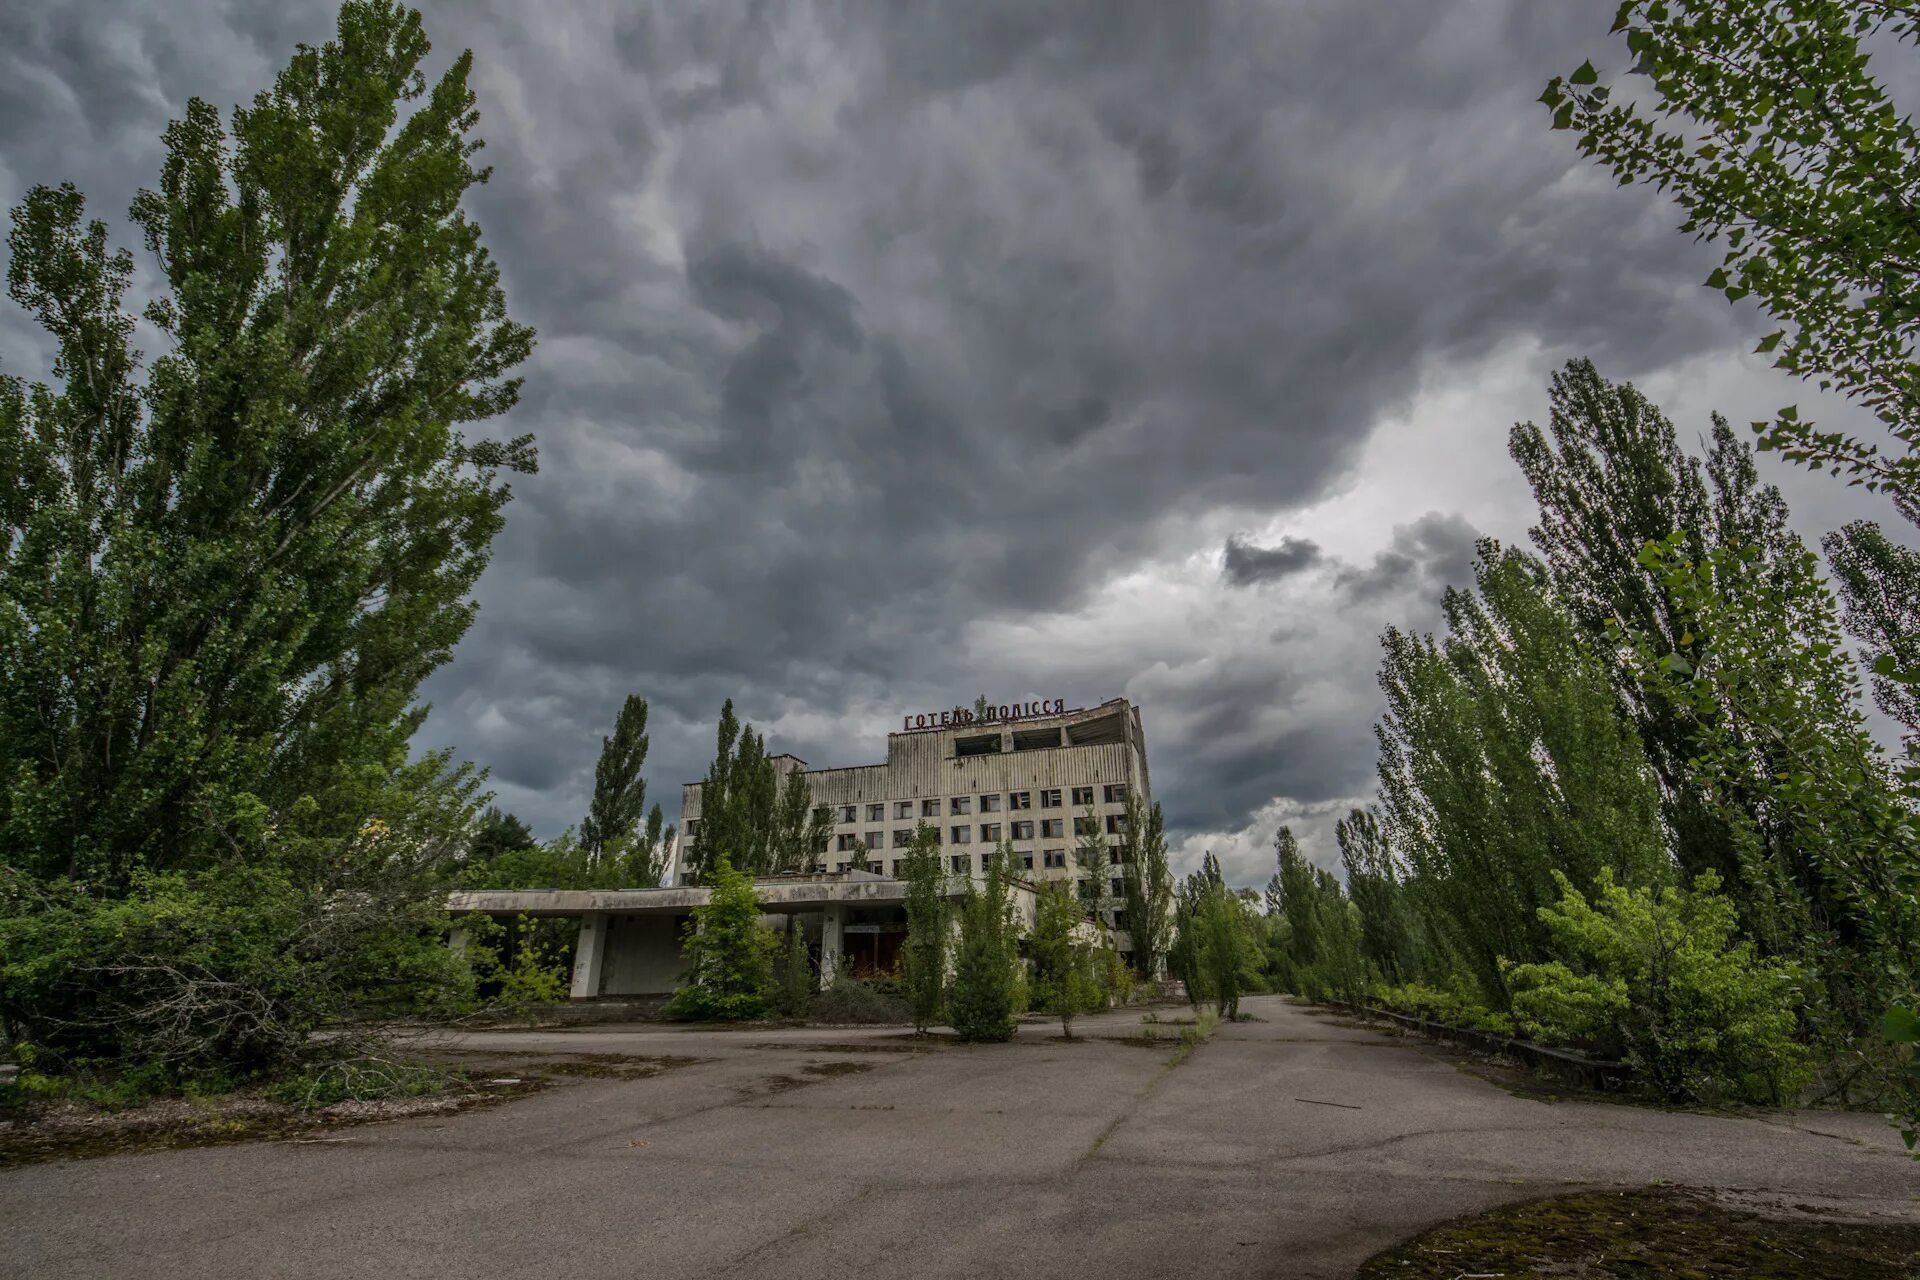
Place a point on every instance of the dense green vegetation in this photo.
(729, 953)
(1627, 801)
(224, 573)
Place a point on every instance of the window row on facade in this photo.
(989, 832)
(989, 802)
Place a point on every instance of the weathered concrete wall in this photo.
(643, 956)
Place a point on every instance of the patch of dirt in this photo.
(813, 1073)
(77, 1131)
(614, 1066)
(1655, 1231)
(1139, 1040)
(790, 1046)
(828, 1070)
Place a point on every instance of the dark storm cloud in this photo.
(862, 325)
(1245, 564)
(1427, 556)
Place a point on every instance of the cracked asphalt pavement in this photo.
(815, 1152)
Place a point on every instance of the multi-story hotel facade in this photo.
(1035, 775)
(1032, 774)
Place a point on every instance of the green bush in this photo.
(1455, 1008)
(216, 976)
(1662, 980)
(729, 955)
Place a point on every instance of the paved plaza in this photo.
(1294, 1145)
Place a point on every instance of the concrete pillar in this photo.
(831, 919)
(590, 956)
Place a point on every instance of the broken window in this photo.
(1082, 797)
(1026, 860)
(1050, 799)
(902, 809)
(846, 843)
(1023, 830)
(877, 812)
(980, 744)
(1054, 858)
(990, 803)
(1052, 828)
(1113, 855)
(962, 835)
(850, 813)
(960, 804)
(990, 831)
(902, 838)
(1116, 824)
(929, 808)
(1119, 888)
(1085, 826)
(959, 864)
(876, 839)
(1116, 793)
(1019, 799)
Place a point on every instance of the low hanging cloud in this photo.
(1434, 552)
(1245, 564)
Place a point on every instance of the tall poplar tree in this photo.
(224, 572)
(1879, 582)
(1375, 889)
(224, 575)
(619, 792)
(1504, 758)
(1148, 887)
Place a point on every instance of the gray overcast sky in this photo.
(891, 354)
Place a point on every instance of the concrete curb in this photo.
(1576, 1068)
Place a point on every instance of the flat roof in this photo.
(777, 894)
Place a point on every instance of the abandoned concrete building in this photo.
(1036, 775)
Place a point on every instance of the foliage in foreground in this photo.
(729, 954)
(1663, 981)
(223, 576)
(223, 973)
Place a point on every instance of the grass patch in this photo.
(1191, 1038)
(1655, 1231)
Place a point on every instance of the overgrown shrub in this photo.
(795, 975)
(849, 1000)
(362, 1079)
(1455, 1008)
(535, 974)
(224, 974)
(729, 955)
(1662, 979)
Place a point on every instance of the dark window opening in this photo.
(1036, 739)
